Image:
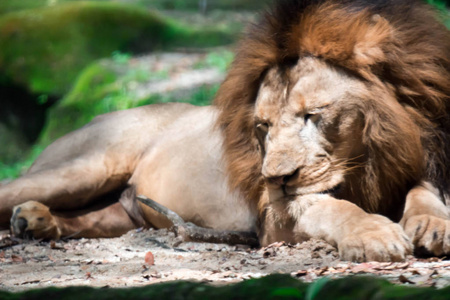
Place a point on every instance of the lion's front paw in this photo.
(430, 235)
(34, 220)
(377, 239)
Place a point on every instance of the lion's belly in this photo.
(184, 171)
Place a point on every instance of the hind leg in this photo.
(71, 186)
(35, 220)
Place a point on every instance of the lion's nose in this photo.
(278, 180)
(281, 180)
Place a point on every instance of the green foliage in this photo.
(275, 286)
(16, 169)
(109, 85)
(210, 4)
(44, 49)
(442, 6)
(121, 58)
(217, 59)
(15, 5)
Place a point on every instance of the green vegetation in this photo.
(217, 59)
(442, 6)
(275, 286)
(44, 45)
(192, 5)
(110, 84)
(17, 168)
(66, 38)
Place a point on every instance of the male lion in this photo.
(325, 100)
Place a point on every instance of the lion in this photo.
(333, 122)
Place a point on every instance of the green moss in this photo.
(44, 49)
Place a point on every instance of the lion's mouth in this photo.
(333, 191)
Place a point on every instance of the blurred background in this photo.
(62, 62)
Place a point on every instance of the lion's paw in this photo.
(34, 220)
(430, 235)
(376, 241)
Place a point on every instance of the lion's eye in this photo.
(314, 117)
(262, 127)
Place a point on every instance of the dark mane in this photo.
(399, 43)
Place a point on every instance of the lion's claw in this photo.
(430, 235)
(34, 220)
(379, 241)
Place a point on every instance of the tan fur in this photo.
(89, 179)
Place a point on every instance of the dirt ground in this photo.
(143, 257)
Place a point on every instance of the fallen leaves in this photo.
(17, 259)
(413, 271)
(7, 241)
(403, 279)
(125, 261)
(149, 258)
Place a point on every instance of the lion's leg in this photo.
(71, 186)
(426, 220)
(35, 220)
(358, 235)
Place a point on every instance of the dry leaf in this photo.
(403, 279)
(300, 273)
(362, 268)
(16, 258)
(403, 265)
(149, 259)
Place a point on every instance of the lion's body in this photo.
(333, 122)
(167, 152)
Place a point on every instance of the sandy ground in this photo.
(125, 262)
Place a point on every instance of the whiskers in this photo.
(347, 165)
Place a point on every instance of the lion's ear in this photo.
(373, 41)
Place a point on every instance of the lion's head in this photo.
(340, 97)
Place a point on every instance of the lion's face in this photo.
(309, 124)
